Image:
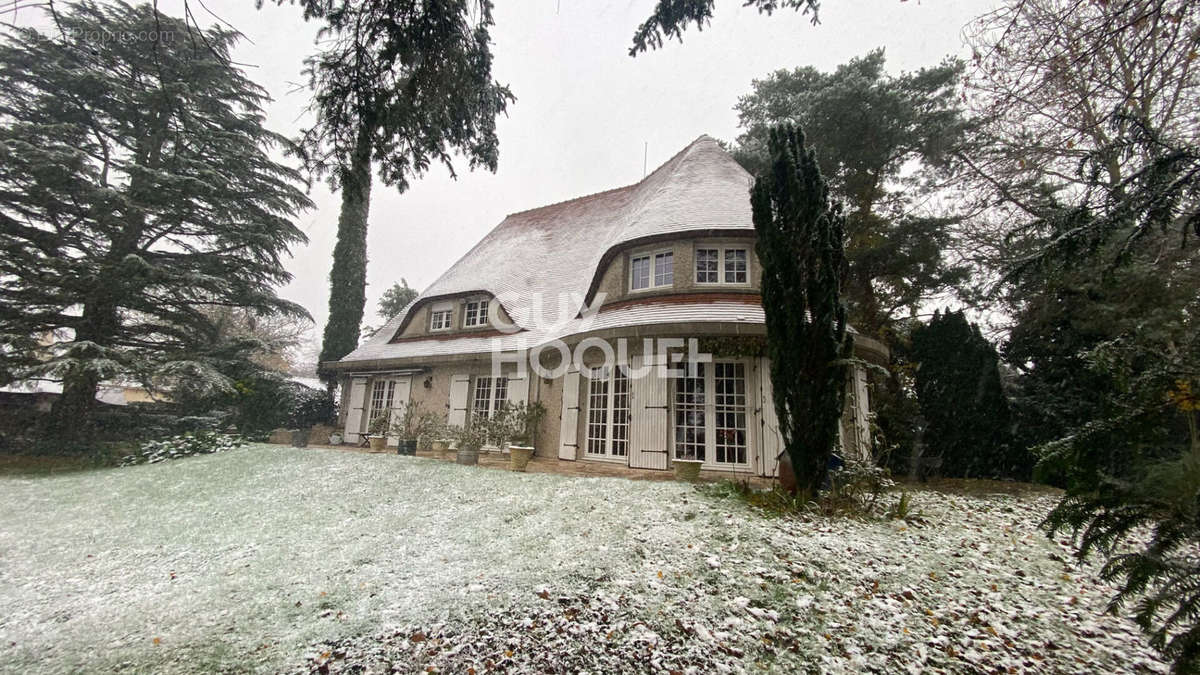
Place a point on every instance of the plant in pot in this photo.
(686, 464)
(524, 421)
(409, 426)
(377, 430)
(441, 437)
(501, 428)
(470, 438)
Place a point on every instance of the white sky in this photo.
(584, 110)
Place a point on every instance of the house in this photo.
(650, 276)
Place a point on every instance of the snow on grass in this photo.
(274, 558)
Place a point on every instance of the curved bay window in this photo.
(710, 413)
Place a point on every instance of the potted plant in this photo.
(687, 468)
(335, 438)
(470, 438)
(524, 421)
(377, 430)
(441, 437)
(501, 427)
(409, 426)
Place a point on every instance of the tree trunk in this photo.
(101, 321)
(348, 278)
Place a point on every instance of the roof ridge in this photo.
(645, 178)
(568, 201)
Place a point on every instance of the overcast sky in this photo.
(584, 112)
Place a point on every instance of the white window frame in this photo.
(438, 310)
(496, 398)
(651, 258)
(602, 395)
(475, 312)
(710, 409)
(721, 250)
(383, 393)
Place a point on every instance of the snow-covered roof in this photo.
(556, 251)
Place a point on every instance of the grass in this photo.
(266, 559)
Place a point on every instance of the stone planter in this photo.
(467, 457)
(300, 438)
(440, 448)
(335, 438)
(687, 470)
(519, 456)
(406, 446)
(377, 443)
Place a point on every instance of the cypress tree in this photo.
(967, 417)
(802, 251)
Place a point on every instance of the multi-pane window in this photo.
(735, 265)
(491, 395)
(691, 428)
(639, 273)
(664, 269)
(382, 394)
(439, 319)
(729, 401)
(475, 313)
(652, 270)
(712, 428)
(620, 414)
(708, 263)
(722, 265)
(608, 413)
(597, 419)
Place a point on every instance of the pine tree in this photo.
(800, 245)
(137, 190)
(963, 402)
(399, 84)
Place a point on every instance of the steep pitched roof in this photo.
(550, 255)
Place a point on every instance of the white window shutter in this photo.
(518, 390)
(770, 440)
(354, 408)
(568, 443)
(649, 431)
(399, 403)
(862, 405)
(460, 387)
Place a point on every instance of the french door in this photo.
(710, 407)
(607, 414)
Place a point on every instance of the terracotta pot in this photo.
(467, 457)
(687, 469)
(787, 476)
(441, 448)
(377, 443)
(519, 456)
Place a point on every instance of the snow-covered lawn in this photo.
(272, 558)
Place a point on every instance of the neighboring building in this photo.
(43, 394)
(669, 257)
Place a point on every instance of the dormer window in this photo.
(651, 270)
(475, 313)
(723, 265)
(441, 317)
